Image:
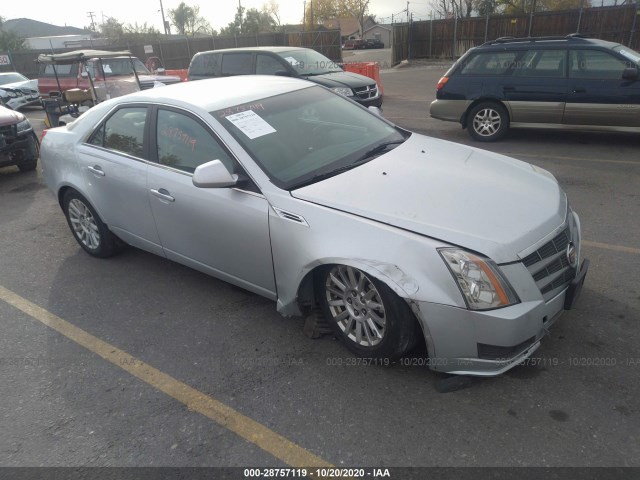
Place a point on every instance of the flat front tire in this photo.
(365, 314)
(488, 122)
(87, 227)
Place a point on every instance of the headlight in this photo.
(11, 93)
(480, 280)
(23, 126)
(347, 92)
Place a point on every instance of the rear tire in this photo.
(88, 229)
(487, 122)
(365, 314)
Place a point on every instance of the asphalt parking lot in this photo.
(137, 361)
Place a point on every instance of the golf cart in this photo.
(85, 78)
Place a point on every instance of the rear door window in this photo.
(541, 63)
(123, 132)
(240, 63)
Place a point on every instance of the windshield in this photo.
(629, 54)
(12, 78)
(309, 62)
(301, 137)
(114, 67)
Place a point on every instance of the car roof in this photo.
(255, 49)
(218, 93)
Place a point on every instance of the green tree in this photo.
(256, 21)
(9, 41)
(235, 27)
(112, 29)
(188, 20)
(319, 11)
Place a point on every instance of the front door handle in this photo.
(508, 88)
(163, 194)
(97, 170)
(579, 90)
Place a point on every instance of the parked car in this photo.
(54, 79)
(551, 82)
(17, 91)
(373, 43)
(291, 191)
(18, 142)
(286, 61)
(357, 44)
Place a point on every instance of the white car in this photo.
(17, 91)
(296, 193)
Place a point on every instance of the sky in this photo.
(219, 13)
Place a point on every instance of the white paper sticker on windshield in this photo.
(292, 61)
(630, 56)
(251, 124)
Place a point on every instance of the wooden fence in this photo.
(450, 38)
(177, 53)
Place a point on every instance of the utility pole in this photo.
(304, 15)
(407, 12)
(164, 22)
(240, 13)
(90, 15)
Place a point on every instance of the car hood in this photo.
(26, 85)
(9, 117)
(340, 79)
(464, 196)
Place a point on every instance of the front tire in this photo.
(487, 122)
(365, 314)
(88, 229)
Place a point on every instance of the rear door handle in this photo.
(97, 170)
(509, 88)
(163, 194)
(579, 90)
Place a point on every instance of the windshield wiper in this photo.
(378, 149)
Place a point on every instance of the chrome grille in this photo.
(368, 92)
(549, 265)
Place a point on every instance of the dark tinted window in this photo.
(123, 131)
(596, 64)
(488, 63)
(541, 63)
(184, 143)
(206, 65)
(237, 63)
(268, 65)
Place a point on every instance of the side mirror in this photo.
(630, 73)
(376, 110)
(84, 74)
(213, 174)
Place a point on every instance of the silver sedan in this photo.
(293, 192)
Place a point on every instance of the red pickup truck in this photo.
(74, 75)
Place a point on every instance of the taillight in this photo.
(44, 132)
(442, 82)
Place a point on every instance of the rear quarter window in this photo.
(205, 65)
(487, 63)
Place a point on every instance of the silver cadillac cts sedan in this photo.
(293, 192)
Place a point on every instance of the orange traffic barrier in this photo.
(368, 69)
(178, 73)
